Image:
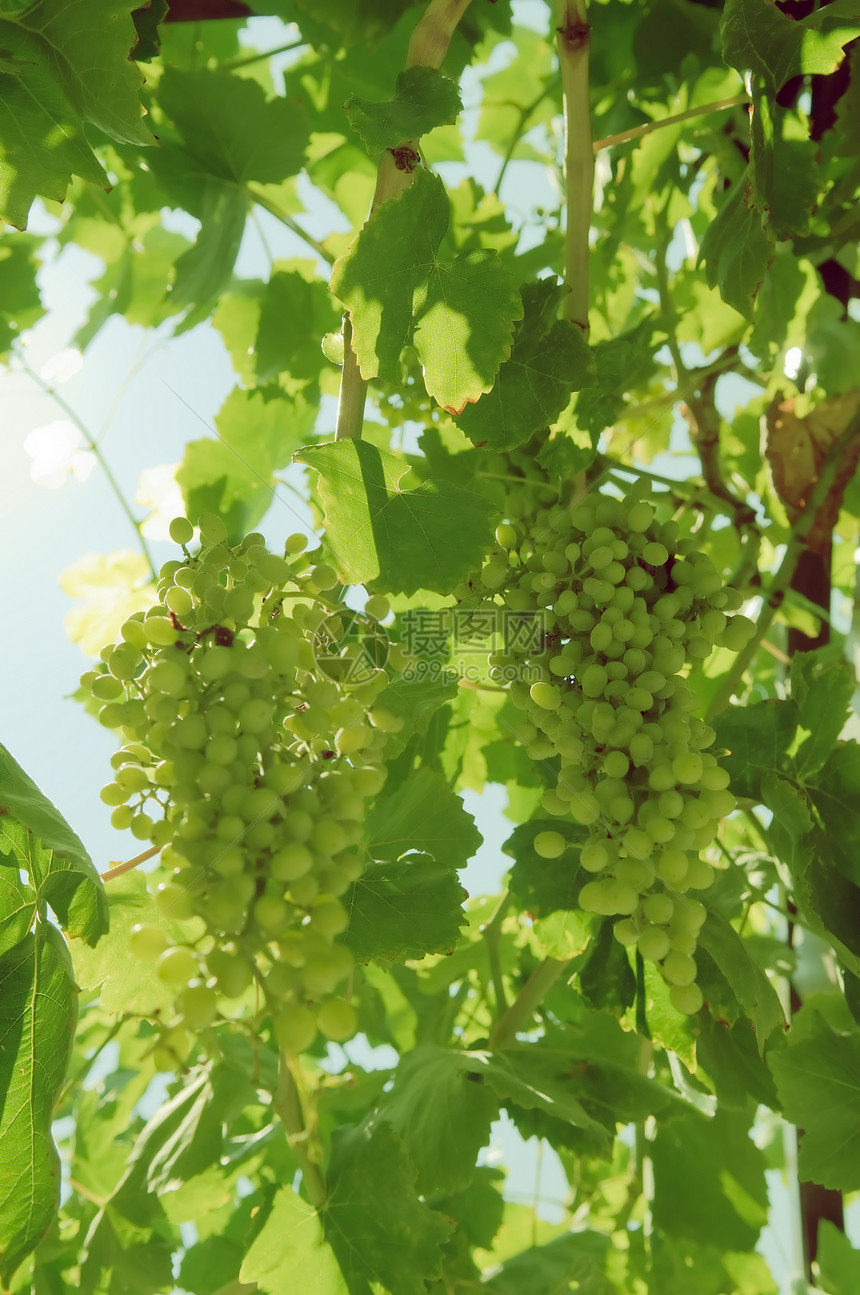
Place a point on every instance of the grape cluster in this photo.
(623, 607)
(253, 738)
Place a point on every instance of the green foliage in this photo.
(379, 1022)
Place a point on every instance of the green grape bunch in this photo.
(624, 607)
(253, 738)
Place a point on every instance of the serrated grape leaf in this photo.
(378, 1228)
(441, 1114)
(20, 303)
(737, 249)
(818, 1081)
(732, 1061)
(290, 1251)
(202, 271)
(123, 1256)
(42, 841)
(574, 1262)
(750, 985)
(395, 539)
(822, 690)
(760, 38)
(621, 363)
(146, 17)
(422, 814)
(757, 739)
(730, 1201)
(837, 799)
(606, 978)
(404, 910)
(17, 904)
(230, 136)
(789, 805)
(38, 1010)
(549, 360)
(416, 700)
(111, 587)
(424, 98)
(543, 886)
(135, 282)
(459, 315)
(128, 984)
(234, 475)
(838, 1262)
(296, 313)
(517, 1076)
(828, 900)
(63, 65)
(185, 1135)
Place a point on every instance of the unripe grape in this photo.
(653, 943)
(147, 942)
(177, 966)
(337, 1020)
(625, 931)
(549, 845)
(686, 998)
(658, 908)
(199, 1006)
(295, 1028)
(679, 968)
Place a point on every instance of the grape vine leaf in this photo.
(290, 1251)
(228, 136)
(822, 690)
(757, 739)
(378, 1228)
(818, 1084)
(398, 540)
(424, 814)
(621, 363)
(111, 587)
(60, 869)
(737, 248)
(835, 796)
(17, 904)
(838, 1262)
(730, 1201)
(732, 1061)
(424, 98)
(748, 982)
(550, 359)
(20, 303)
(544, 886)
(458, 315)
(38, 1010)
(760, 38)
(571, 1262)
(63, 65)
(441, 1114)
(128, 984)
(405, 909)
(234, 475)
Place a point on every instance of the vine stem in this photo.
(573, 39)
(492, 932)
(274, 209)
(288, 1104)
(428, 46)
(92, 445)
(636, 132)
(119, 868)
(521, 1010)
(782, 579)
